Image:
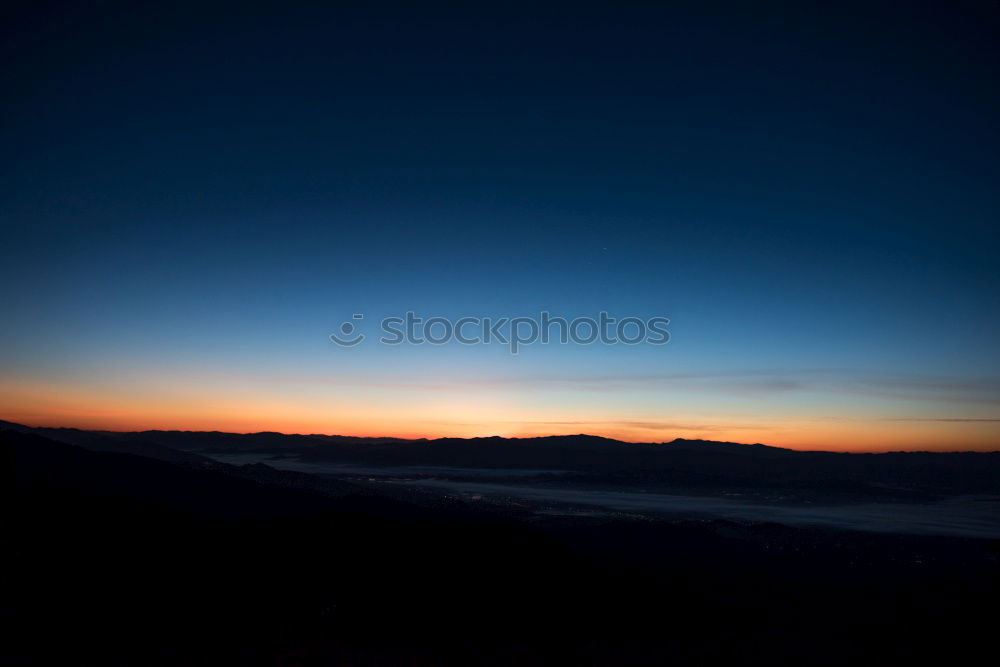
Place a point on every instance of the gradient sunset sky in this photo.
(193, 200)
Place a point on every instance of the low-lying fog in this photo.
(960, 516)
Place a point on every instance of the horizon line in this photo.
(502, 437)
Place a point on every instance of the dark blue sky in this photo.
(805, 190)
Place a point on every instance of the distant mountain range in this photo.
(681, 464)
(564, 451)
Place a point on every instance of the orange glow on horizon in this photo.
(424, 415)
(819, 438)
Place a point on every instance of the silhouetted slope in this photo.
(39, 463)
(99, 441)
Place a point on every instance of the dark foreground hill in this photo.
(123, 559)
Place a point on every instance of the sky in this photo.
(193, 198)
